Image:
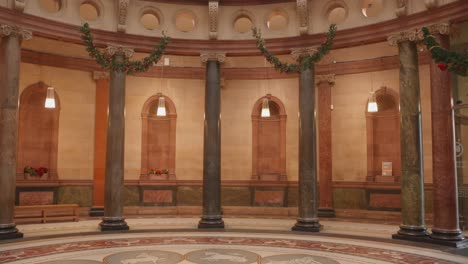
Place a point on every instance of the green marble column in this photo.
(114, 180)
(308, 197)
(10, 58)
(212, 217)
(412, 175)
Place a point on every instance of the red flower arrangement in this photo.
(35, 171)
(158, 171)
(442, 66)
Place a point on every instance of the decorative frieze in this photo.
(329, 78)
(115, 49)
(299, 53)
(213, 56)
(122, 15)
(213, 12)
(303, 16)
(13, 30)
(402, 8)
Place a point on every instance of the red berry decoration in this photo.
(442, 66)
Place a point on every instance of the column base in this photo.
(96, 211)
(113, 224)
(447, 235)
(429, 240)
(9, 231)
(412, 231)
(326, 212)
(211, 222)
(307, 225)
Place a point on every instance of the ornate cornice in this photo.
(119, 49)
(303, 16)
(300, 53)
(98, 75)
(13, 30)
(402, 8)
(213, 12)
(440, 28)
(19, 5)
(328, 78)
(213, 56)
(122, 15)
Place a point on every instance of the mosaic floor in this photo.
(233, 247)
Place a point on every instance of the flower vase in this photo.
(44, 177)
(27, 176)
(158, 176)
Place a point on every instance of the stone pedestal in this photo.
(10, 58)
(446, 225)
(211, 217)
(325, 83)
(308, 211)
(412, 177)
(113, 204)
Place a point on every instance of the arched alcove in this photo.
(269, 141)
(37, 131)
(383, 136)
(158, 138)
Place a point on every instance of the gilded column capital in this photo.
(98, 75)
(213, 56)
(13, 30)
(113, 49)
(408, 35)
(439, 28)
(299, 53)
(328, 78)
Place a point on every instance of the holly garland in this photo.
(446, 59)
(130, 67)
(305, 63)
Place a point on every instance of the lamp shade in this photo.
(372, 104)
(161, 111)
(50, 98)
(265, 108)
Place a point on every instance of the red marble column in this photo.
(446, 226)
(100, 136)
(325, 142)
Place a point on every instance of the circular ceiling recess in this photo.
(243, 24)
(89, 11)
(51, 6)
(150, 21)
(185, 21)
(337, 15)
(277, 21)
(372, 8)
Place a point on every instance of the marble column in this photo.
(10, 58)
(308, 210)
(211, 217)
(325, 83)
(445, 209)
(114, 181)
(100, 132)
(412, 169)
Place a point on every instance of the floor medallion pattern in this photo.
(216, 248)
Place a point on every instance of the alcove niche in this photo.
(158, 139)
(37, 131)
(269, 141)
(383, 137)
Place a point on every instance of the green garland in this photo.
(107, 62)
(456, 62)
(305, 63)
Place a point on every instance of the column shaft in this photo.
(10, 57)
(113, 204)
(412, 177)
(325, 150)
(308, 220)
(212, 149)
(443, 155)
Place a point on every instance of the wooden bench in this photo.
(46, 213)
